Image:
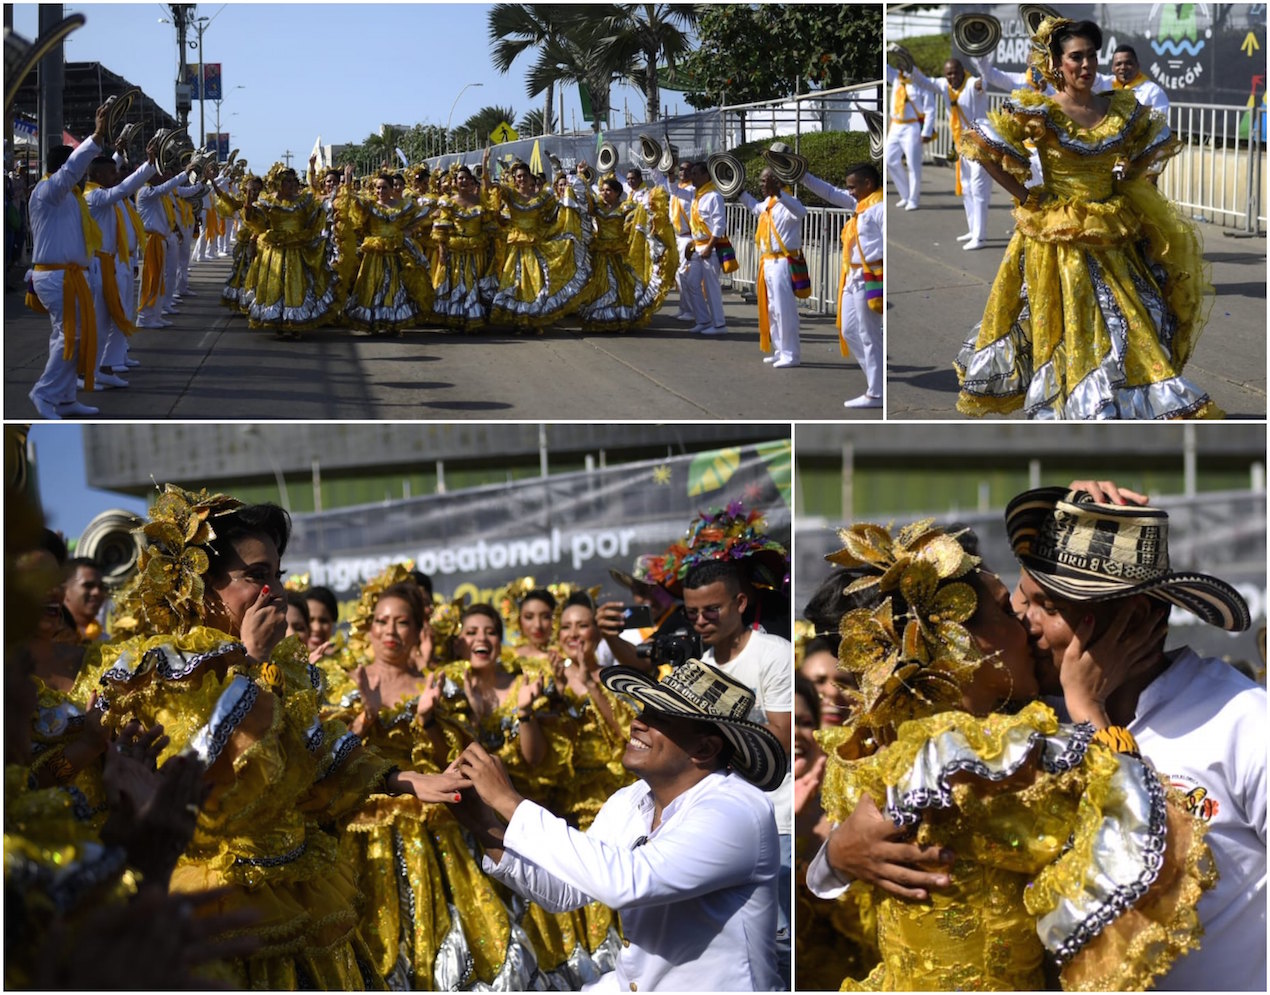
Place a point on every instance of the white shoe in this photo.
(974, 243)
(104, 380)
(863, 401)
(901, 203)
(784, 364)
(75, 408)
(45, 408)
(769, 359)
(161, 323)
(716, 330)
(965, 238)
(191, 293)
(131, 363)
(685, 317)
(698, 329)
(910, 207)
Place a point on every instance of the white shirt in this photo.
(868, 228)
(698, 899)
(57, 228)
(102, 201)
(1149, 93)
(920, 109)
(766, 666)
(972, 102)
(150, 205)
(787, 218)
(1202, 724)
(710, 207)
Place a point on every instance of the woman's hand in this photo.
(264, 624)
(1108, 492)
(807, 787)
(1093, 669)
(489, 777)
(317, 654)
(429, 697)
(366, 717)
(528, 692)
(438, 789)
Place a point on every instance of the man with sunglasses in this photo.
(716, 595)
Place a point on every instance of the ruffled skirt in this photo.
(1093, 314)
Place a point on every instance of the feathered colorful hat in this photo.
(730, 534)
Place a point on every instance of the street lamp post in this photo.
(240, 86)
(452, 106)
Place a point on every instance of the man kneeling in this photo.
(688, 854)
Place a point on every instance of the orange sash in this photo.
(153, 281)
(77, 312)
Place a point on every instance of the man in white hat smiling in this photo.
(687, 854)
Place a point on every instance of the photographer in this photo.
(716, 596)
(643, 648)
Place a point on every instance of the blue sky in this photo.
(68, 503)
(334, 69)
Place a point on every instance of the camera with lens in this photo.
(673, 648)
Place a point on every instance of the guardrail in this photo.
(1218, 177)
(822, 247)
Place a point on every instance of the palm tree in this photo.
(647, 34)
(517, 28)
(531, 124)
(580, 56)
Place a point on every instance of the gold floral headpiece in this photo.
(166, 595)
(359, 621)
(507, 600)
(917, 663)
(1040, 60)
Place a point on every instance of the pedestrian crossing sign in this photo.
(504, 133)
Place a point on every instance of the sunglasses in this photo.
(710, 613)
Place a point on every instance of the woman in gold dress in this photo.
(235, 295)
(291, 283)
(536, 620)
(392, 286)
(464, 280)
(544, 267)
(1068, 850)
(431, 917)
(1100, 299)
(632, 254)
(208, 660)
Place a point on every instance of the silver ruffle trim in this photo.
(230, 709)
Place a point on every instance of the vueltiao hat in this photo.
(1079, 549)
(640, 575)
(698, 691)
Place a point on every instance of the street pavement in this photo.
(210, 365)
(936, 292)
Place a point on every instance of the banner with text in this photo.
(571, 527)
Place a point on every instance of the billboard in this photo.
(565, 527)
(210, 87)
(1199, 53)
(218, 141)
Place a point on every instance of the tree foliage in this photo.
(772, 51)
(480, 124)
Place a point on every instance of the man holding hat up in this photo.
(687, 854)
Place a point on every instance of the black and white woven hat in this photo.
(698, 691)
(1085, 551)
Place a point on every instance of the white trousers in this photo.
(153, 314)
(226, 243)
(57, 383)
(976, 191)
(782, 310)
(683, 241)
(112, 344)
(862, 331)
(184, 247)
(712, 289)
(904, 142)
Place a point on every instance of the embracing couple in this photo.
(1112, 841)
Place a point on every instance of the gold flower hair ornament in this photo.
(916, 663)
(166, 595)
(1040, 60)
(298, 583)
(446, 623)
(359, 623)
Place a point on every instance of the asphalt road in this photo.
(209, 365)
(936, 292)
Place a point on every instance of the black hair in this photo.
(487, 610)
(249, 521)
(612, 182)
(56, 158)
(807, 691)
(300, 603)
(714, 571)
(539, 594)
(868, 170)
(580, 598)
(99, 162)
(75, 562)
(339, 176)
(409, 592)
(53, 543)
(822, 644)
(424, 582)
(1080, 29)
(1126, 48)
(325, 597)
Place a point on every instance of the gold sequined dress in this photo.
(465, 284)
(279, 774)
(292, 284)
(633, 259)
(391, 282)
(1062, 847)
(431, 917)
(1100, 299)
(545, 265)
(236, 296)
